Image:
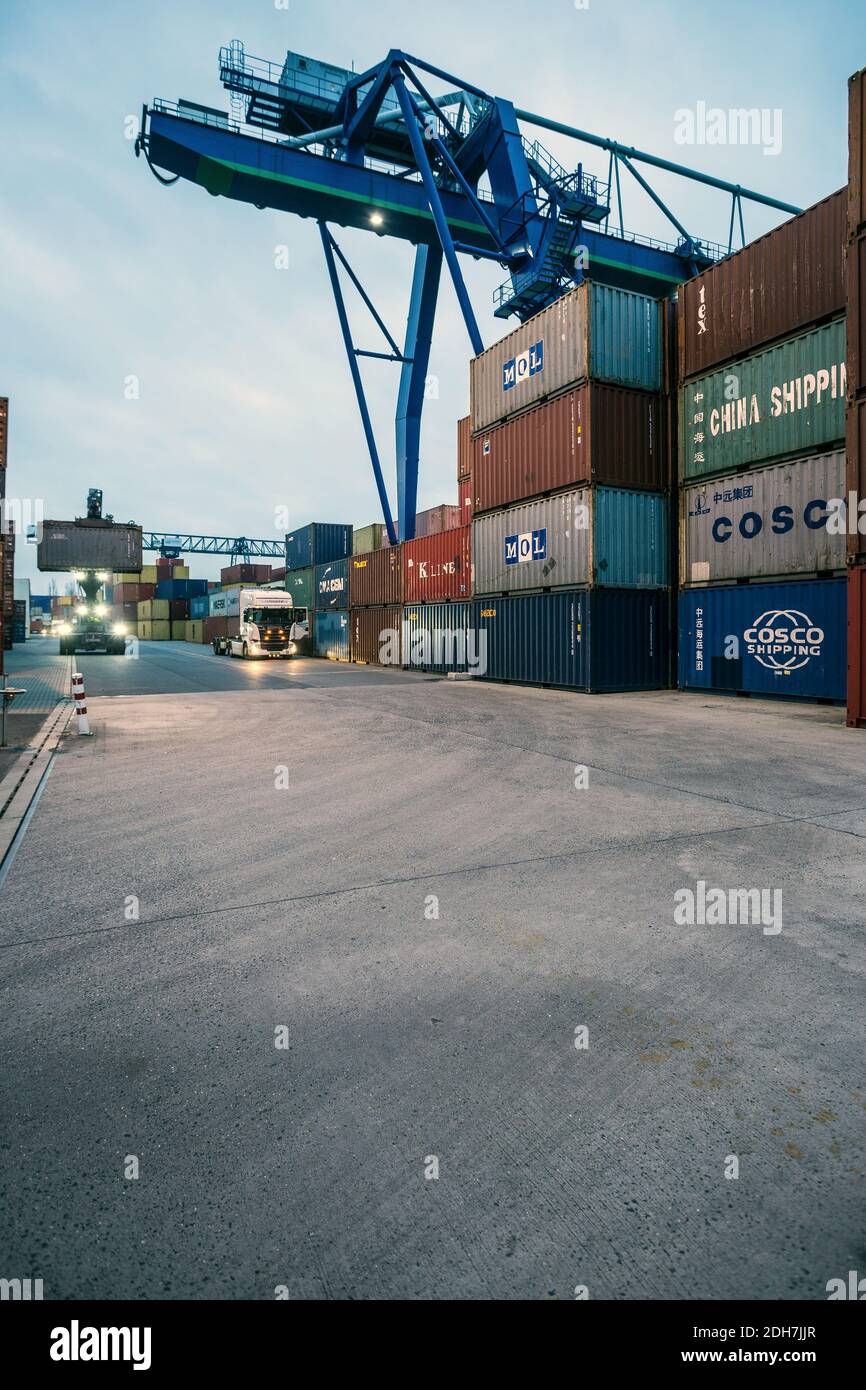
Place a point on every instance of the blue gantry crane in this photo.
(451, 173)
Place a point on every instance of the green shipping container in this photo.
(783, 401)
(369, 538)
(299, 583)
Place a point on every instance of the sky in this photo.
(245, 403)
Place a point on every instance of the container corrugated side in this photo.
(372, 537)
(593, 331)
(376, 578)
(767, 523)
(464, 448)
(785, 281)
(317, 543)
(856, 275)
(857, 647)
(594, 640)
(790, 399)
(855, 459)
(331, 634)
(376, 634)
(595, 433)
(438, 566)
(786, 639)
(857, 152)
(299, 583)
(438, 637)
(608, 536)
(332, 585)
(71, 545)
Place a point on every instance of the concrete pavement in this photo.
(429, 911)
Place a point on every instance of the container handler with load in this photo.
(91, 547)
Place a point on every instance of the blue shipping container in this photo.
(331, 634)
(316, 544)
(331, 587)
(199, 605)
(438, 637)
(586, 639)
(180, 588)
(769, 639)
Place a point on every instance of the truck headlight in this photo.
(292, 647)
(63, 629)
(119, 629)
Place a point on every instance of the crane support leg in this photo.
(328, 245)
(435, 204)
(413, 380)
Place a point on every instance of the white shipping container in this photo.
(767, 523)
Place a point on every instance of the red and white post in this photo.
(80, 703)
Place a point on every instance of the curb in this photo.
(20, 784)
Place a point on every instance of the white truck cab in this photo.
(268, 623)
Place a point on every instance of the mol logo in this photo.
(784, 640)
(527, 364)
(528, 546)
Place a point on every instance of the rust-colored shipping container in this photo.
(436, 520)
(596, 433)
(857, 647)
(376, 578)
(133, 593)
(856, 323)
(376, 635)
(178, 610)
(465, 499)
(4, 442)
(438, 567)
(787, 280)
(464, 448)
(855, 468)
(857, 152)
(124, 613)
(254, 574)
(214, 627)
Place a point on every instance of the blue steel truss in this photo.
(453, 174)
(238, 547)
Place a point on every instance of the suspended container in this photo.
(781, 402)
(438, 637)
(787, 280)
(605, 536)
(590, 639)
(594, 331)
(766, 523)
(331, 634)
(595, 433)
(785, 639)
(438, 566)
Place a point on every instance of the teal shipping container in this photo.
(299, 583)
(331, 634)
(604, 536)
(592, 333)
(782, 402)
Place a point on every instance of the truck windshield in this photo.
(268, 617)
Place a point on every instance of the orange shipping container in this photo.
(376, 578)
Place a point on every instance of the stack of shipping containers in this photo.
(761, 461)
(855, 421)
(566, 483)
(317, 574)
(376, 606)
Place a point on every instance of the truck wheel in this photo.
(244, 651)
